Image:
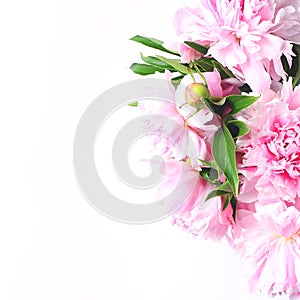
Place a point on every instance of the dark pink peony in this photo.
(271, 162)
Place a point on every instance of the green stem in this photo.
(200, 73)
(190, 116)
(192, 75)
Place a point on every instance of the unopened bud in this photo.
(194, 94)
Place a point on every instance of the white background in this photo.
(56, 58)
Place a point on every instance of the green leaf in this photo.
(176, 81)
(211, 164)
(237, 128)
(197, 47)
(143, 69)
(215, 193)
(205, 64)
(296, 49)
(218, 100)
(239, 102)
(221, 190)
(225, 186)
(227, 201)
(245, 88)
(209, 174)
(153, 43)
(292, 69)
(233, 203)
(224, 72)
(223, 149)
(212, 107)
(175, 63)
(154, 61)
(133, 104)
(286, 66)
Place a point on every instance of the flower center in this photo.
(293, 237)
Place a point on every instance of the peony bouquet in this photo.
(239, 130)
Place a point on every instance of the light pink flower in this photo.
(205, 220)
(166, 129)
(270, 242)
(271, 163)
(247, 36)
(209, 222)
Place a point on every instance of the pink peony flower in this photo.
(209, 222)
(247, 36)
(205, 220)
(271, 163)
(172, 137)
(270, 242)
(166, 121)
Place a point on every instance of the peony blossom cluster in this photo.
(266, 227)
(269, 171)
(231, 130)
(247, 36)
(193, 140)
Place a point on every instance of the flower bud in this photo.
(194, 94)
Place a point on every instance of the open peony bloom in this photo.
(270, 242)
(202, 219)
(232, 154)
(247, 36)
(166, 129)
(271, 163)
(166, 121)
